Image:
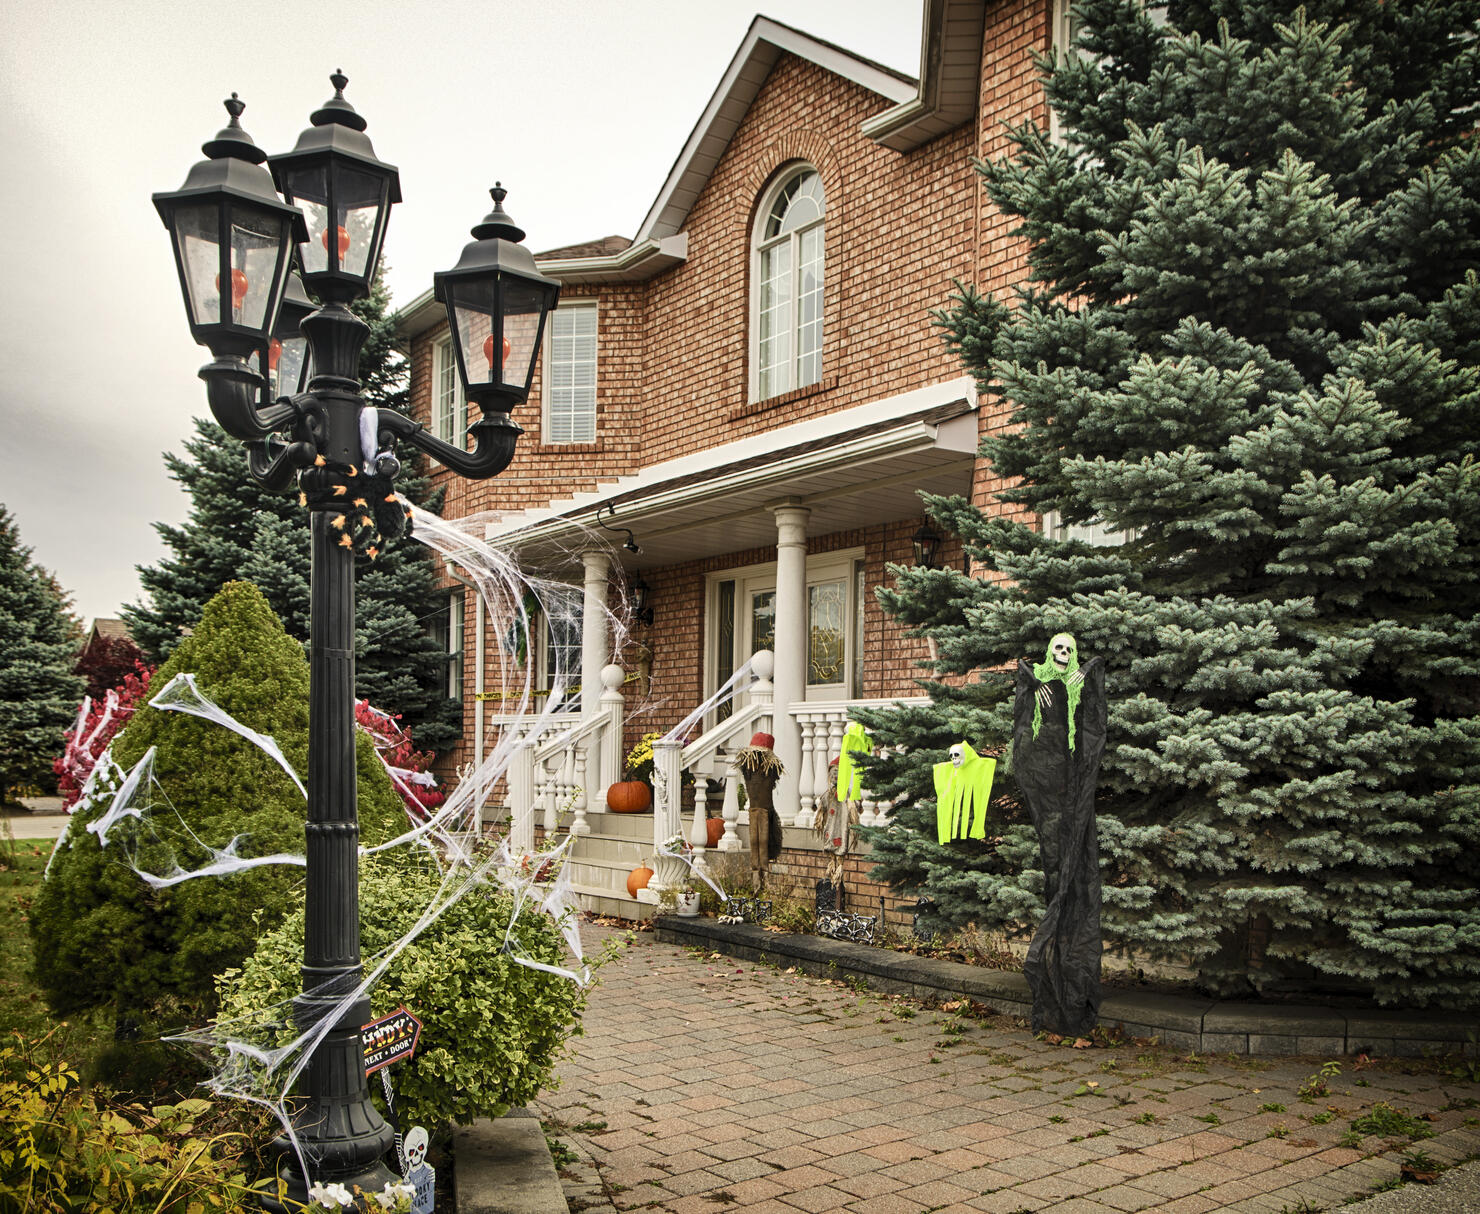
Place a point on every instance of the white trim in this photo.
(878, 432)
(949, 91)
(444, 363)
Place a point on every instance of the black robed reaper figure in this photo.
(1058, 738)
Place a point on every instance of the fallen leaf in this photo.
(1083, 1043)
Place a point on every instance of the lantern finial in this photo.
(498, 223)
(231, 142)
(337, 111)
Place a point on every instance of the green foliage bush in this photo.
(99, 932)
(492, 1030)
(66, 1148)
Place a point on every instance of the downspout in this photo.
(478, 674)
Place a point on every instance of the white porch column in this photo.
(791, 652)
(594, 643)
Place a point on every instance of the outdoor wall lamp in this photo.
(235, 242)
(642, 604)
(926, 543)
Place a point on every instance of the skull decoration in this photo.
(1063, 649)
(957, 755)
(415, 1148)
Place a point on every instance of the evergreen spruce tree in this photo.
(38, 691)
(238, 530)
(1249, 343)
(100, 933)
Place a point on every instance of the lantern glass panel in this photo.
(473, 304)
(285, 365)
(309, 190)
(524, 306)
(257, 266)
(197, 235)
(357, 200)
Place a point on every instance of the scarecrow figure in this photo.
(760, 769)
(1058, 738)
(835, 819)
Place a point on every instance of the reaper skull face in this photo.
(1063, 649)
(957, 755)
(415, 1148)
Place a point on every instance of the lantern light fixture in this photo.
(232, 237)
(642, 600)
(926, 542)
(345, 193)
(497, 302)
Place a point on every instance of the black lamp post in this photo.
(233, 239)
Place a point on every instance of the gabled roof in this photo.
(942, 98)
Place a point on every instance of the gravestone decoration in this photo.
(1058, 738)
(829, 895)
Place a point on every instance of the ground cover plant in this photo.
(1248, 356)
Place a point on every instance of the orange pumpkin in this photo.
(716, 829)
(629, 797)
(637, 879)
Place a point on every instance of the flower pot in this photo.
(629, 797)
(637, 879)
(716, 829)
(688, 904)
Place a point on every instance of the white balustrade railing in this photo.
(822, 726)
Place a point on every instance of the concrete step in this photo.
(612, 904)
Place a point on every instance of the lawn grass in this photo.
(23, 1009)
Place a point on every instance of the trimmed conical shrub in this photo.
(101, 933)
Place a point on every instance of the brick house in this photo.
(752, 387)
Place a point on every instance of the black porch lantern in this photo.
(345, 193)
(642, 601)
(927, 546)
(287, 365)
(497, 302)
(232, 237)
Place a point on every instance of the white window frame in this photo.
(582, 304)
(1095, 533)
(759, 246)
(544, 674)
(840, 566)
(449, 405)
(447, 633)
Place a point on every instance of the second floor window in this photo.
(446, 628)
(570, 384)
(787, 321)
(449, 407)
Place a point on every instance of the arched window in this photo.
(787, 314)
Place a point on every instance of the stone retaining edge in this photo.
(1209, 1026)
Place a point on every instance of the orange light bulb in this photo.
(238, 287)
(274, 352)
(343, 237)
(488, 350)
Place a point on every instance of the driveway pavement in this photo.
(704, 1082)
(43, 818)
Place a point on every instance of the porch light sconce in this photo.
(927, 546)
(642, 601)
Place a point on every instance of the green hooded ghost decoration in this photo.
(1063, 647)
(962, 792)
(850, 775)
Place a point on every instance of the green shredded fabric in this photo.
(1046, 671)
(962, 795)
(850, 774)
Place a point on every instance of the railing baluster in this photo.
(699, 834)
(807, 777)
(730, 811)
(578, 824)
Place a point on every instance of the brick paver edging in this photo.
(1204, 1025)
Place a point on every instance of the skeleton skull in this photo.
(415, 1148)
(957, 755)
(1062, 647)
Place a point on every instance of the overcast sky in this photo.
(580, 108)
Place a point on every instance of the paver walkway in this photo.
(704, 1083)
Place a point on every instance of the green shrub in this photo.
(492, 1030)
(99, 932)
(65, 1148)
